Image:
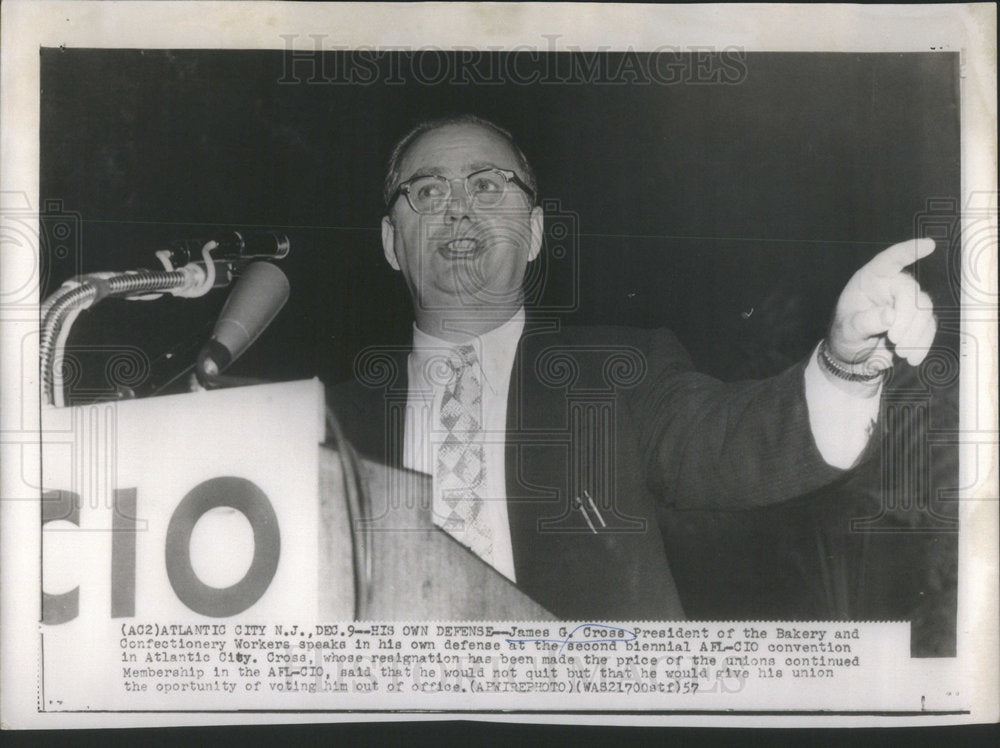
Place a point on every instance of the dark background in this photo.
(733, 213)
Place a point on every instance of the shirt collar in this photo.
(495, 349)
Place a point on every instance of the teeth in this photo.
(461, 245)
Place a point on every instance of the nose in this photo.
(459, 205)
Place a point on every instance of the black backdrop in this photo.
(732, 213)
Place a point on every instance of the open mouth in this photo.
(456, 248)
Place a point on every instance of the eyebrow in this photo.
(439, 171)
(426, 171)
(479, 166)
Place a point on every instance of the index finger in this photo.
(890, 261)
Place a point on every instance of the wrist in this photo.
(864, 371)
(860, 379)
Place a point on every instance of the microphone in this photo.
(255, 301)
(233, 246)
(266, 246)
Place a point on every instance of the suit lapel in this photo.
(525, 502)
(372, 408)
(396, 395)
(556, 555)
(607, 561)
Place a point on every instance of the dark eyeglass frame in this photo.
(508, 175)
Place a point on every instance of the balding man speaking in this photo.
(551, 447)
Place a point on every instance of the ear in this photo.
(389, 242)
(537, 226)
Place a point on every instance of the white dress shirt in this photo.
(840, 420)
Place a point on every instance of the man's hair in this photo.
(526, 173)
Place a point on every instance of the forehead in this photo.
(456, 149)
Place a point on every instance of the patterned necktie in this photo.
(461, 464)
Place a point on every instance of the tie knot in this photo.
(466, 356)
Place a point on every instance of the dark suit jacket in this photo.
(619, 413)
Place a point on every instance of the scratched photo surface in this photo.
(728, 197)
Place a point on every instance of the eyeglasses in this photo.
(485, 189)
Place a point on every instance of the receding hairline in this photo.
(405, 145)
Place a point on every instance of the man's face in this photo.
(466, 258)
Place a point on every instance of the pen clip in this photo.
(583, 510)
(594, 507)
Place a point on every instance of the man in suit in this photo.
(551, 447)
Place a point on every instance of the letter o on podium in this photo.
(246, 497)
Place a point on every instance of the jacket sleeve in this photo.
(711, 444)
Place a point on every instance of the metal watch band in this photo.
(839, 370)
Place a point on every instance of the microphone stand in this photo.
(191, 280)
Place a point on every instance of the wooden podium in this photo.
(418, 572)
